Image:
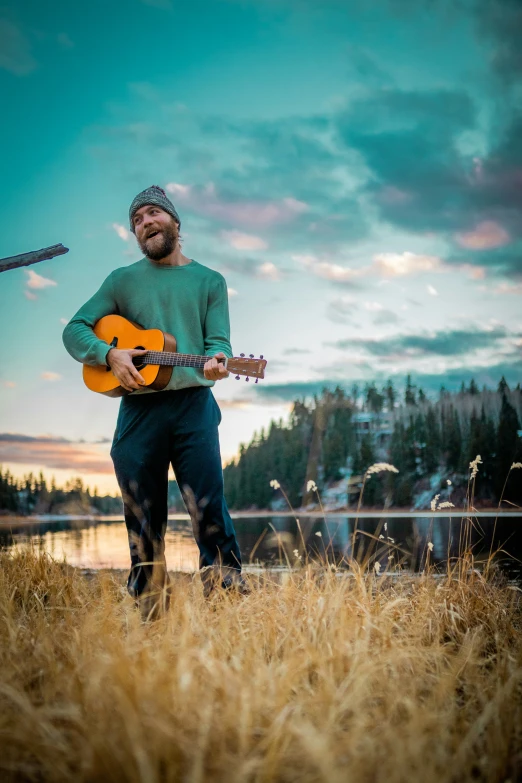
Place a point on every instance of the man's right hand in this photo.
(120, 362)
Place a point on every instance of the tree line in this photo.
(323, 441)
(33, 495)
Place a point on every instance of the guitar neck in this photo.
(175, 359)
(237, 364)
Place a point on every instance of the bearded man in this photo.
(178, 425)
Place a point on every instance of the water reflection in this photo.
(279, 540)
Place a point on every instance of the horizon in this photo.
(355, 176)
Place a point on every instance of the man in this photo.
(179, 425)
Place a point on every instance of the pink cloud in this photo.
(484, 236)
(244, 241)
(49, 452)
(207, 201)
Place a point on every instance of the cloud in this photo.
(385, 317)
(484, 236)
(64, 321)
(327, 269)
(422, 179)
(209, 202)
(432, 290)
(401, 264)
(295, 351)
(50, 376)
(445, 343)
(15, 50)
(341, 310)
(244, 241)
(231, 292)
(9, 384)
(508, 288)
(37, 281)
(54, 452)
(122, 232)
(268, 271)
(430, 381)
(234, 404)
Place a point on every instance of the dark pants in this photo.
(178, 427)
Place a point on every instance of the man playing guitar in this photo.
(178, 425)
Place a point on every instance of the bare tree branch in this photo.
(12, 262)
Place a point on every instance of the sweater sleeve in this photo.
(216, 330)
(78, 336)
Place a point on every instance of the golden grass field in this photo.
(314, 677)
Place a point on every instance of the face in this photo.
(151, 219)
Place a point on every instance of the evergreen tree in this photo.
(454, 442)
(409, 393)
(503, 386)
(390, 395)
(508, 450)
(473, 388)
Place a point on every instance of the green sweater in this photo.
(189, 302)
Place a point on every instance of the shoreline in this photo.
(37, 519)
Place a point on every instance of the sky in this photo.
(354, 170)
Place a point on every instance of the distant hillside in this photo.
(339, 434)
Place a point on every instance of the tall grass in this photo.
(316, 677)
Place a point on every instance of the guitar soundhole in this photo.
(138, 360)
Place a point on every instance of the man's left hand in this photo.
(214, 370)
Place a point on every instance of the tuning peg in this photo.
(247, 378)
(257, 379)
(241, 354)
(237, 377)
(261, 356)
(251, 355)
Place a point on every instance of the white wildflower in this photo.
(311, 486)
(430, 546)
(319, 534)
(448, 482)
(390, 557)
(386, 526)
(391, 539)
(434, 502)
(381, 536)
(516, 465)
(296, 553)
(377, 567)
(446, 504)
(275, 484)
(378, 467)
(474, 465)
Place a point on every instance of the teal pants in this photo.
(179, 428)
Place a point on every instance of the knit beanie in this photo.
(153, 195)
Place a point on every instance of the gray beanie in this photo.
(153, 195)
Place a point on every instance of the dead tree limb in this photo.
(12, 262)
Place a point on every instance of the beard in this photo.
(160, 246)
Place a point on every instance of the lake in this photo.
(270, 541)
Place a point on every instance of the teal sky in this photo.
(353, 169)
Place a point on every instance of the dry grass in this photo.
(318, 678)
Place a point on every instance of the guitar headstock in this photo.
(251, 367)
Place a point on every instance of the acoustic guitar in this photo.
(156, 365)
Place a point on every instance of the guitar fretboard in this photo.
(174, 359)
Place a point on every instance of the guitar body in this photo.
(121, 333)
